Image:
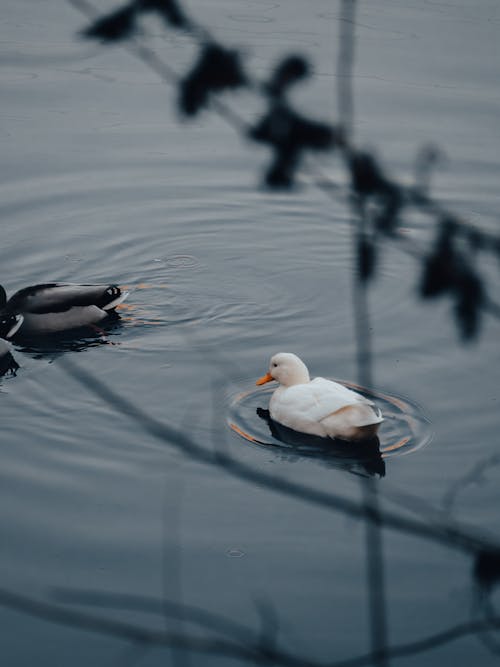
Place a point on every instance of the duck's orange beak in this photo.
(265, 378)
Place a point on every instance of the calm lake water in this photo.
(101, 182)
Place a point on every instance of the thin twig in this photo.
(345, 63)
(143, 636)
(448, 534)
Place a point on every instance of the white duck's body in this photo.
(57, 307)
(318, 407)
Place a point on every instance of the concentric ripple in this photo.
(404, 430)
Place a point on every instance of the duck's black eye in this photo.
(274, 365)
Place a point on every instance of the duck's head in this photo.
(9, 324)
(287, 369)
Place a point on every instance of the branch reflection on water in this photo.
(444, 273)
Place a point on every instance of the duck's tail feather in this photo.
(119, 299)
(378, 414)
(357, 415)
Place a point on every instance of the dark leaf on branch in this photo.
(217, 69)
(448, 227)
(448, 270)
(366, 174)
(475, 239)
(439, 274)
(311, 134)
(487, 568)
(368, 180)
(469, 301)
(367, 257)
(169, 10)
(121, 24)
(290, 70)
(391, 203)
(289, 134)
(441, 266)
(281, 172)
(283, 128)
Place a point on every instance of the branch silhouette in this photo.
(450, 268)
(238, 648)
(449, 534)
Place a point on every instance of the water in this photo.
(100, 182)
(406, 428)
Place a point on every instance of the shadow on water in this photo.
(76, 340)
(362, 458)
(404, 430)
(8, 365)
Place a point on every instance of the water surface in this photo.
(100, 182)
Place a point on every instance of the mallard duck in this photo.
(318, 407)
(7, 361)
(56, 307)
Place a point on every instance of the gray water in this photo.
(101, 182)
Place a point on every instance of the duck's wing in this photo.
(351, 408)
(60, 297)
(335, 391)
(319, 398)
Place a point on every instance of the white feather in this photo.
(318, 407)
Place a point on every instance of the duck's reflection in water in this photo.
(7, 362)
(75, 340)
(361, 458)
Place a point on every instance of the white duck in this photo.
(318, 407)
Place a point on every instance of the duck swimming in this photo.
(318, 407)
(56, 307)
